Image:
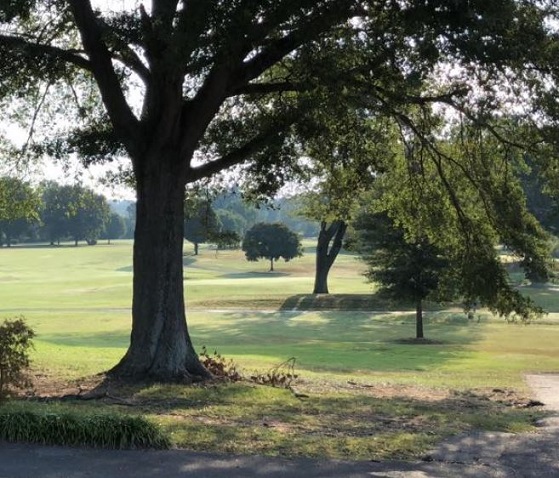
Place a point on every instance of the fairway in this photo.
(348, 361)
(78, 300)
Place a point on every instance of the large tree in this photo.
(188, 88)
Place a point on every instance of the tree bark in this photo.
(326, 254)
(160, 345)
(419, 320)
(272, 264)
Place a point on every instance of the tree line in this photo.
(53, 213)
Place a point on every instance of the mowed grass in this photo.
(368, 394)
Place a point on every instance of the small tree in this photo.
(15, 342)
(271, 241)
(404, 268)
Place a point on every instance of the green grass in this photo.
(78, 302)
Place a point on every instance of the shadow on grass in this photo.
(119, 339)
(342, 341)
(364, 302)
(254, 275)
(331, 341)
(188, 260)
(355, 423)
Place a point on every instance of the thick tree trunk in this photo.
(326, 254)
(160, 346)
(419, 320)
(195, 248)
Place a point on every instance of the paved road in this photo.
(479, 455)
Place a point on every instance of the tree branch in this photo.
(266, 88)
(125, 123)
(236, 156)
(282, 47)
(39, 49)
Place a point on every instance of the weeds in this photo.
(219, 366)
(281, 376)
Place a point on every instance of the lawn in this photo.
(362, 391)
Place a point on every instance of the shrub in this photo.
(15, 343)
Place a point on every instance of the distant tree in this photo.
(19, 207)
(73, 211)
(408, 269)
(115, 227)
(56, 200)
(271, 241)
(200, 223)
(226, 239)
(88, 214)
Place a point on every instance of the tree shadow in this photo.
(342, 341)
(360, 302)
(254, 275)
(188, 260)
(115, 339)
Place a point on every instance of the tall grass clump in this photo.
(106, 430)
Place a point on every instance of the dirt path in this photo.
(477, 455)
(546, 389)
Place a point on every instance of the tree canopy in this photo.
(73, 211)
(187, 89)
(271, 241)
(404, 269)
(201, 222)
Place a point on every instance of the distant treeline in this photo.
(54, 213)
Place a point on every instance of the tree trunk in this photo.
(419, 320)
(272, 264)
(195, 248)
(326, 254)
(160, 346)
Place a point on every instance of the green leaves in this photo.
(271, 241)
(102, 430)
(15, 341)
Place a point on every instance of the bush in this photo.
(15, 343)
(79, 429)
